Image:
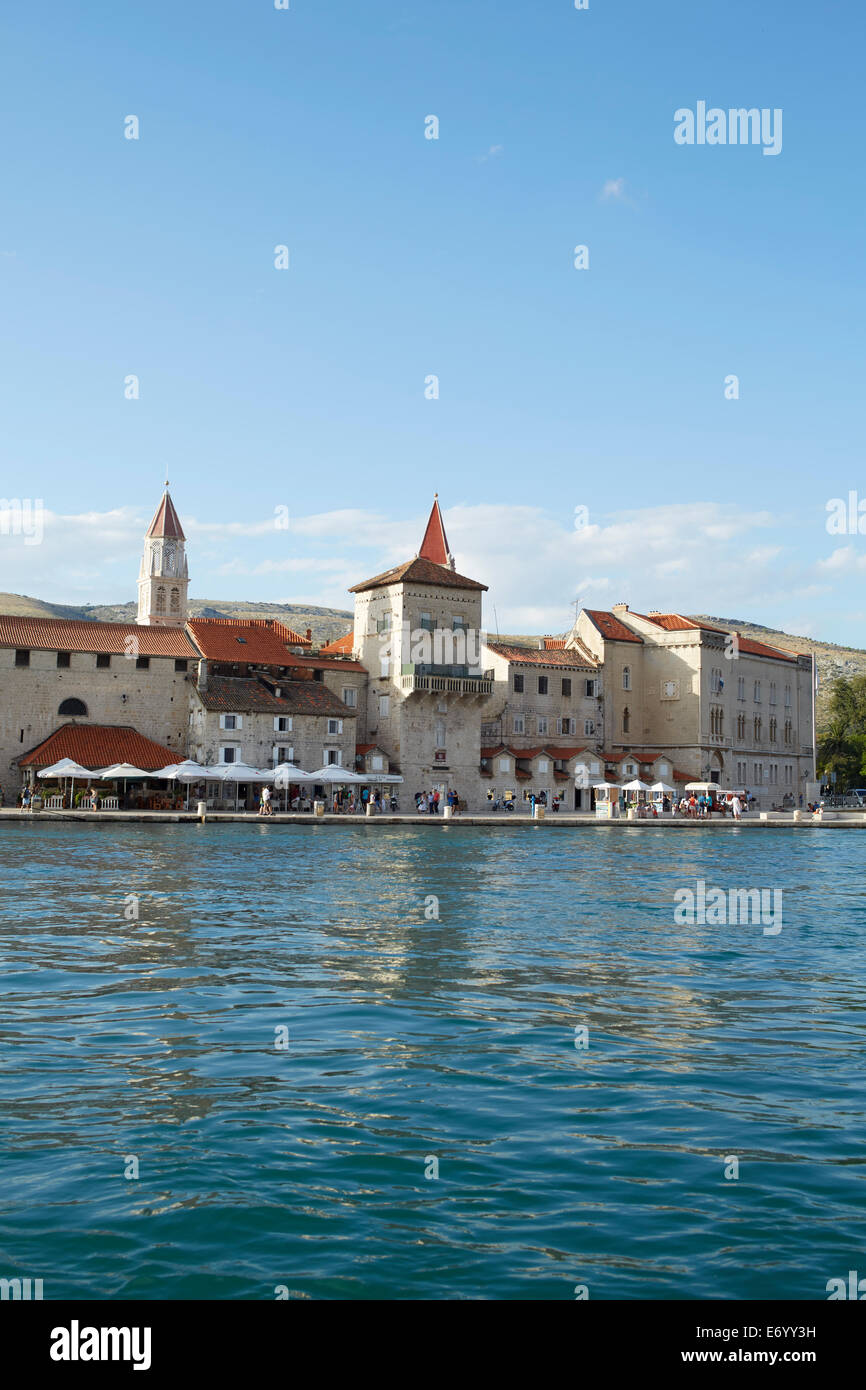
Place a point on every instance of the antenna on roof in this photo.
(496, 620)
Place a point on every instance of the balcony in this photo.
(415, 682)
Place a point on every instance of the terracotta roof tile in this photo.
(752, 648)
(166, 522)
(263, 641)
(610, 626)
(418, 571)
(75, 635)
(100, 745)
(435, 543)
(341, 646)
(531, 656)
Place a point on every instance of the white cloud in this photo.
(614, 189)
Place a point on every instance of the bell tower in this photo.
(163, 579)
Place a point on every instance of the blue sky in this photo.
(558, 388)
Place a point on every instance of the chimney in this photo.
(309, 634)
(202, 675)
(619, 608)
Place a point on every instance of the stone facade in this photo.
(418, 688)
(725, 708)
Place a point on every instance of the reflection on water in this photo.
(412, 1036)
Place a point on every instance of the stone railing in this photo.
(452, 685)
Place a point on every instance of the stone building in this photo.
(724, 708)
(416, 688)
(418, 635)
(163, 579)
(55, 672)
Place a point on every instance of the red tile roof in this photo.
(558, 754)
(610, 626)
(263, 641)
(166, 522)
(342, 646)
(435, 543)
(746, 644)
(418, 571)
(531, 656)
(75, 635)
(552, 643)
(100, 745)
(362, 749)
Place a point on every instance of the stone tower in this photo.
(164, 578)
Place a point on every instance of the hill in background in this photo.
(325, 623)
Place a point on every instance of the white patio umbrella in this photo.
(66, 767)
(125, 772)
(635, 785)
(663, 788)
(701, 786)
(338, 776)
(605, 787)
(241, 772)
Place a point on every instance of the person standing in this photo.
(736, 807)
(435, 803)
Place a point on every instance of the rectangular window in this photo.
(63, 661)
(439, 734)
(335, 726)
(518, 685)
(228, 754)
(384, 706)
(542, 724)
(282, 723)
(103, 661)
(142, 663)
(542, 685)
(426, 622)
(504, 764)
(590, 688)
(741, 688)
(377, 763)
(231, 721)
(282, 754)
(22, 658)
(350, 697)
(519, 724)
(757, 692)
(588, 728)
(333, 757)
(772, 692)
(181, 665)
(566, 687)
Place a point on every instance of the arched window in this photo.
(626, 678)
(160, 599)
(626, 720)
(175, 600)
(73, 707)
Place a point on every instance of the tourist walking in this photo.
(736, 807)
(265, 808)
(435, 801)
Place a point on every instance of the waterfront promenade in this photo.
(832, 820)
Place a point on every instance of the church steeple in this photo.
(435, 543)
(163, 579)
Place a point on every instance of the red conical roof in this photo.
(435, 543)
(166, 522)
